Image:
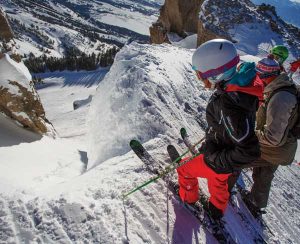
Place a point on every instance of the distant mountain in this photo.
(51, 27)
(287, 9)
(255, 29)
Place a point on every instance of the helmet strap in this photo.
(212, 86)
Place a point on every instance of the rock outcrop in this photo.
(234, 20)
(18, 98)
(248, 23)
(6, 33)
(177, 16)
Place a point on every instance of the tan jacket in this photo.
(274, 122)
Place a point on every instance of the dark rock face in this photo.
(6, 33)
(27, 103)
(219, 19)
(180, 17)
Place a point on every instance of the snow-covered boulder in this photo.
(150, 91)
(18, 98)
(177, 16)
(79, 103)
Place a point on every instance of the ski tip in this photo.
(183, 131)
(134, 143)
(170, 147)
(173, 153)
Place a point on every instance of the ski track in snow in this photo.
(57, 201)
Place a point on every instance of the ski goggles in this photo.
(214, 75)
(212, 79)
(279, 59)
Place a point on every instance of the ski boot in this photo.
(254, 210)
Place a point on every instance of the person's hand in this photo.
(202, 147)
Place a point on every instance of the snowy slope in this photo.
(13, 134)
(69, 87)
(255, 30)
(49, 27)
(288, 10)
(45, 197)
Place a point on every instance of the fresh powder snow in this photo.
(68, 189)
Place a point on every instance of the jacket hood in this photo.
(281, 81)
(245, 81)
(244, 76)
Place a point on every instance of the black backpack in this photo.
(295, 90)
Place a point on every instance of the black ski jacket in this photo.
(230, 137)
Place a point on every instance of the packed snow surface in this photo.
(47, 196)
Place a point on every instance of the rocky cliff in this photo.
(236, 20)
(18, 98)
(6, 33)
(179, 17)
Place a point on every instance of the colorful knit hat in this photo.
(268, 67)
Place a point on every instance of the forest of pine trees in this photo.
(73, 60)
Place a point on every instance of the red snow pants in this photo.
(188, 182)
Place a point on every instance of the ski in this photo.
(259, 220)
(187, 141)
(216, 229)
(259, 238)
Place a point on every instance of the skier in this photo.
(275, 120)
(280, 53)
(230, 138)
(294, 67)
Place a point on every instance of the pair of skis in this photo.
(216, 228)
(258, 238)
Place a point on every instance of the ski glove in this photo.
(213, 158)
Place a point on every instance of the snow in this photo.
(190, 42)
(128, 19)
(288, 10)
(40, 171)
(128, 97)
(252, 41)
(9, 128)
(117, 20)
(19, 71)
(68, 87)
(46, 196)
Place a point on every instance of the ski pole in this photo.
(168, 169)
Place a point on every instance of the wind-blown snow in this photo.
(147, 93)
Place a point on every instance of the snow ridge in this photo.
(147, 93)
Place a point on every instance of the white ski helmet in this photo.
(215, 60)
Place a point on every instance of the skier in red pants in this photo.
(217, 183)
(230, 139)
(294, 67)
